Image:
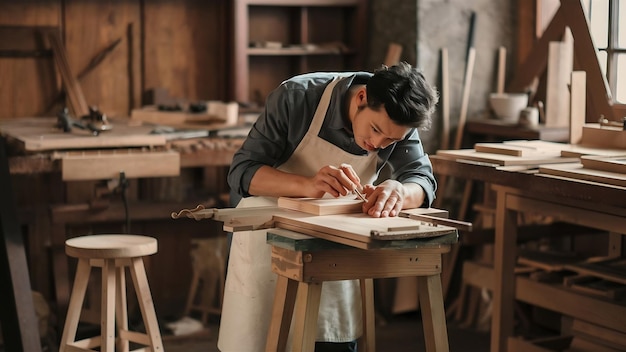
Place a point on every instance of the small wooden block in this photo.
(322, 206)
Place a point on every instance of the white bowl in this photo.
(507, 106)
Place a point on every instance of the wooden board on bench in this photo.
(323, 206)
(41, 134)
(577, 171)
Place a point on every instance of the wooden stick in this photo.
(464, 103)
(578, 103)
(501, 69)
(78, 104)
(394, 51)
(445, 100)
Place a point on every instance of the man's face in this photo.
(374, 130)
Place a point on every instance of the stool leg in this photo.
(433, 315)
(121, 308)
(367, 343)
(76, 303)
(107, 317)
(282, 312)
(140, 280)
(307, 311)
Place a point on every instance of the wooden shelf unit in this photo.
(304, 36)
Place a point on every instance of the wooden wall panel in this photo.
(89, 28)
(185, 48)
(179, 45)
(27, 85)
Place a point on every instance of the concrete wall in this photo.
(423, 27)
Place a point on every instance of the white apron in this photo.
(250, 282)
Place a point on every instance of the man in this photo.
(325, 134)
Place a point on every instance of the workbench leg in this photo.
(307, 311)
(17, 311)
(433, 314)
(282, 312)
(367, 342)
(60, 271)
(505, 244)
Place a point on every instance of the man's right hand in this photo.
(336, 181)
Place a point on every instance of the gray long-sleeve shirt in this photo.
(288, 112)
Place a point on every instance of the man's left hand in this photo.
(384, 200)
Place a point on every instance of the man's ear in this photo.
(362, 96)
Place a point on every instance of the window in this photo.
(609, 36)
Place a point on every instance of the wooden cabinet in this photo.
(276, 39)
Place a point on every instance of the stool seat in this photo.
(110, 246)
(113, 254)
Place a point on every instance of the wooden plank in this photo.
(575, 151)
(560, 63)
(362, 227)
(597, 333)
(107, 165)
(610, 270)
(605, 163)
(595, 286)
(323, 206)
(39, 134)
(467, 84)
(503, 160)
(445, 100)
(394, 52)
(577, 171)
(218, 116)
(578, 106)
(501, 70)
(603, 136)
(508, 149)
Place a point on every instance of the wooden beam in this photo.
(572, 15)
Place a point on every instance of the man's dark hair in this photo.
(404, 93)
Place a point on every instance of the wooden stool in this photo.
(113, 253)
(303, 263)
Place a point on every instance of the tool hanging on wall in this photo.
(95, 122)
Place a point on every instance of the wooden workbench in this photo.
(51, 209)
(519, 190)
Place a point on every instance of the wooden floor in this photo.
(400, 333)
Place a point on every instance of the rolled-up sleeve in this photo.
(410, 164)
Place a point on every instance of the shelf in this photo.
(291, 37)
(297, 52)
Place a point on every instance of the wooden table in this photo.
(303, 263)
(35, 147)
(345, 246)
(580, 202)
